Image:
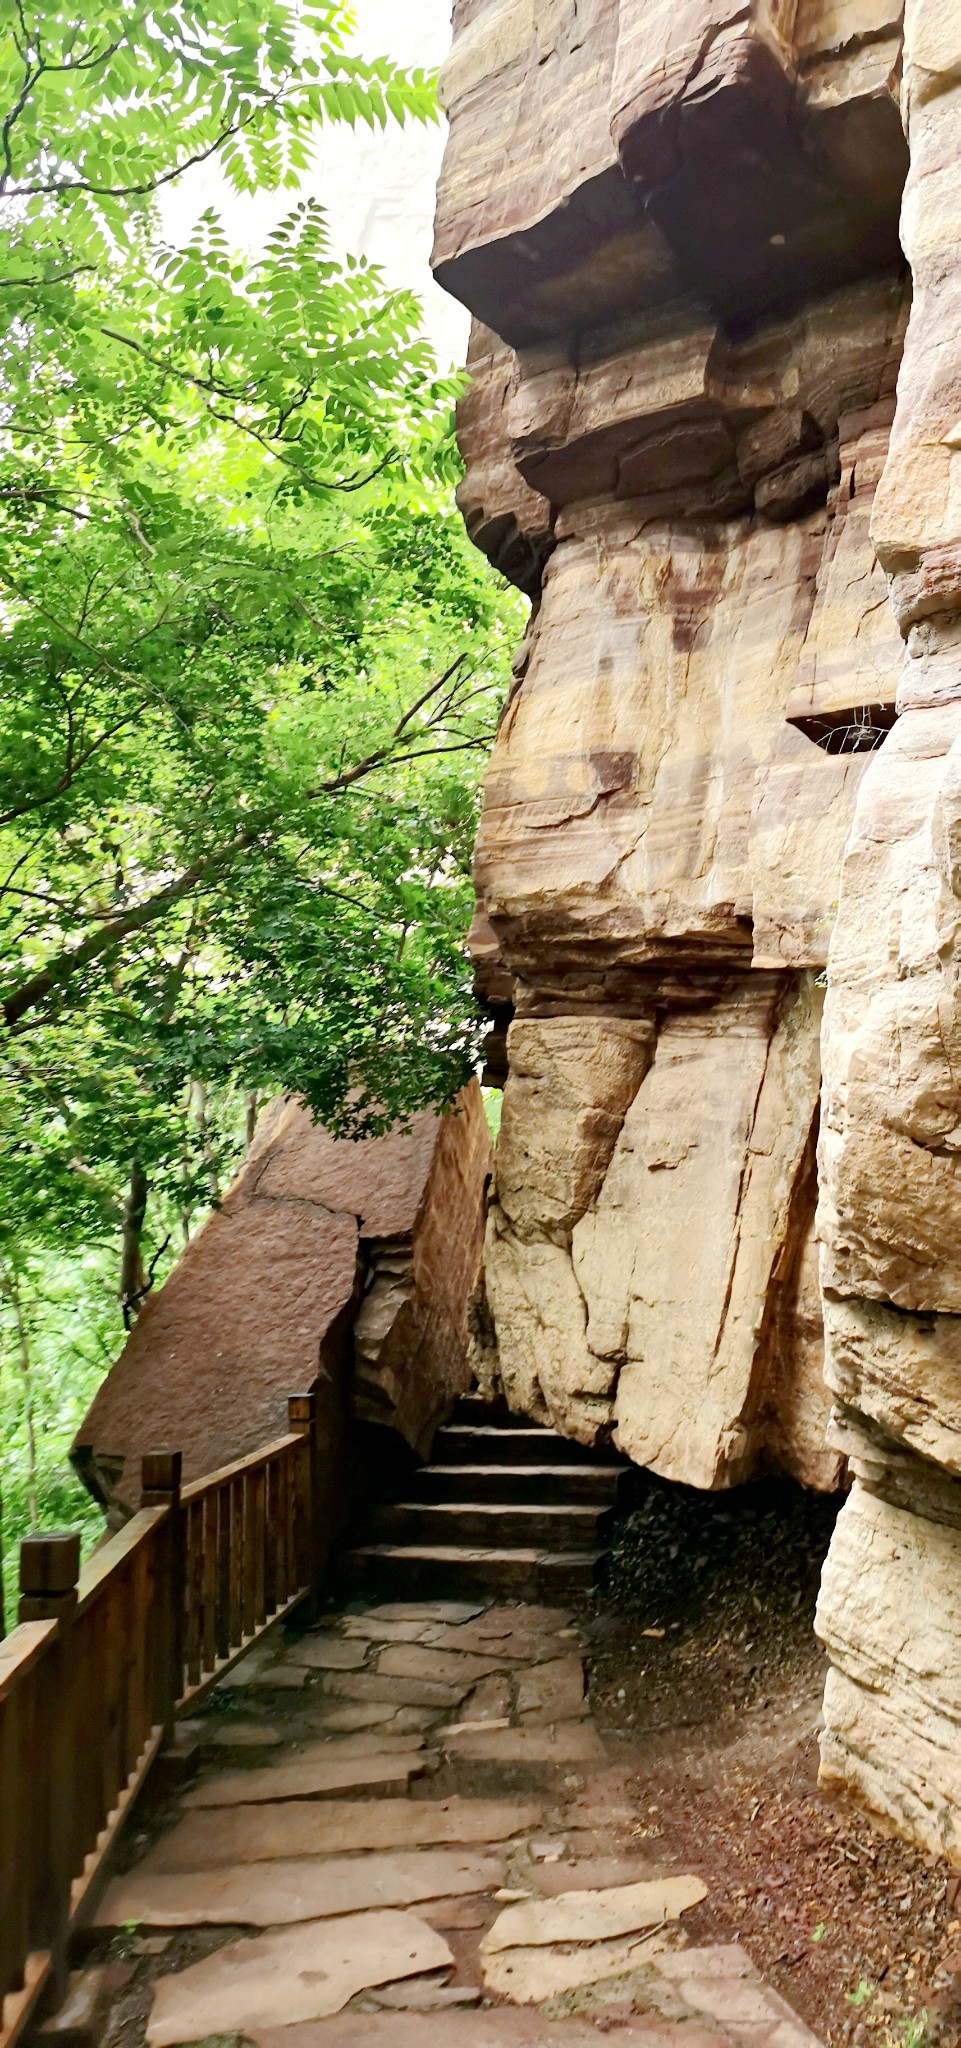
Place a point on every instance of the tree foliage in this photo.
(249, 664)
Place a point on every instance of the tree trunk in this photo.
(253, 1112)
(133, 1280)
(11, 1288)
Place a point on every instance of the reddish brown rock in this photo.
(260, 1305)
(618, 155)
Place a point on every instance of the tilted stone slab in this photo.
(503, 2028)
(318, 1773)
(553, 1692)
(255, 1834)
(571, 1742)
(452, 1611)
(453, 1668)
(594, 1916)
(529, 1976)
(329, 1653)
(400, 1692)
(294, 1889)
(300, 1973)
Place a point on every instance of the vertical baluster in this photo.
(236, 1562)
(210, 1540)
(160, 1477)
(195, 1589)
(222, 1631)
(293, 1575)
(258, 1505)
(49, 1570)
(22, 1799)
(270, 1536)
(140, 1619)
(110, 1608)
(301, 1413)
(250, 1544)
(280, 1530)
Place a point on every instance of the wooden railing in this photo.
(103, 1659)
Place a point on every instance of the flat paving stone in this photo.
(457, 1915)
(372, 1714)
(491, 1699)
(242, 1735)
(516, 1644)
(316, 1774)
(368, 1742)
(264, 1666)
(451, 1611)
(530, 1976)
(552, 1692)
(297, 1973)
(502, 2027)
(593, 1874)
(329, 1653)
(594, 1915)
(453, 1668)
(722, 1983)
(570, 1742)
(297, 1888)
(398, 1692)
(361, 1626)
(218, 1838)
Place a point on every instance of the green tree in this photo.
(249, 664)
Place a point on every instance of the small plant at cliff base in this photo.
(912, 2031)
(249, 664)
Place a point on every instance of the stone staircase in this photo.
(505, 1508)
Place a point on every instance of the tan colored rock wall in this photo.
(343, 1267)
(891, 1133)
(678, 222)
(677, 227)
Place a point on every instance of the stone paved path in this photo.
(408, 1823)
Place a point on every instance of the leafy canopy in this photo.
(248, 662)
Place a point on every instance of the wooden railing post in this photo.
(49, 1571)
(302, 1421)
(160, 1474)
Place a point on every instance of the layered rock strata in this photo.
(345, 1268)
(891, 1137)
(677, 222)
(676, 226)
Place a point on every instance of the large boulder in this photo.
(339, 1266)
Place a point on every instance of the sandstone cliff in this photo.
(676, 225)
(332, 1265)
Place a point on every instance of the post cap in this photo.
(160, 1472)
(300, 1410)
(50, 1563)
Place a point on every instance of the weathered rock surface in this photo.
(677, 224)
(320, 1965)
(295, 1888)
(701, 439)
(890, 1152)
(214, 1839)
(316, 1235)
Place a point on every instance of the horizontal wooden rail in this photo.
(102, 1661)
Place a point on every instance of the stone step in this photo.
(526, 1523)
(473, 1411)
(559, 1485)
(439, 1571)
(517, 1445)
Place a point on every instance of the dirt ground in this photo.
(705, 1667)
